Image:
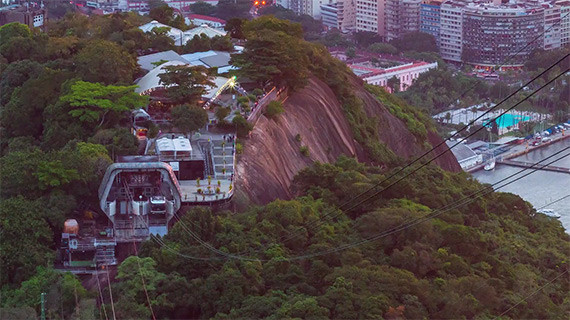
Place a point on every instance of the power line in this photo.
(425, 164)
(100, 292)
(532, 294)
(140, 271)
(437, 156)
(553, 202)
(110, 291)
(208, 246)
(466, 200)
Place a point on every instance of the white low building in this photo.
(406, 73)
(181, 37)
(198, 19)
(466, 157)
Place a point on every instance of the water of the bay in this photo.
(541, 187)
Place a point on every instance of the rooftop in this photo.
(207, 18)
(461, 151)
(146, 62)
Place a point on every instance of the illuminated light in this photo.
(256, 3)
(263, 2)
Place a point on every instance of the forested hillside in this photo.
(64, 102)
(475, 261)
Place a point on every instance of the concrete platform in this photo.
(190, 192)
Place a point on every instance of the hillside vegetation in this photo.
(475, 261)
(64, 101)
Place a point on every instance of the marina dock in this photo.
(532, 165)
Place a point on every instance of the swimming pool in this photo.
(506, 120)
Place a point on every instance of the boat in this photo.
(549, 212)
(490, 165)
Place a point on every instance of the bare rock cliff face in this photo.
(272, 156)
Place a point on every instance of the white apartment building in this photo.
(340, 15)
(401, 17)
(308, 7)
(370, 16)
(565, 23)
(451, 30)
(552, 27)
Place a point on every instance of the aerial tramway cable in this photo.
(464, 201)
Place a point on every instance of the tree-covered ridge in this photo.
(475, 261)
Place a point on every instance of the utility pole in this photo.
(43, 297)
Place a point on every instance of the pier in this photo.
(529, 165)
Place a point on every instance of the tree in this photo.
(118, 141)
(15, 75)
(156, 3)
(25, 239)
(23, 115)
(139, 278)
(16, 42)
(274, 54)
(188, 118)
(202, 7)
(186, 84)
(242, 126)
(415, 41)
(227, 9)
(394, 84)
(222, 113)
(198, 43)
(162, 14)
(106, 62)
(97, 103)
(383, 48)
(220, 43)
(499, 90)
(350, 53)
(235, 28)
(64, 292)
(54, 174)
(274, 109)
(365, 38)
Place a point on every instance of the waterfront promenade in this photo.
(521, 149)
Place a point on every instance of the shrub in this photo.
(242, 126)
(274, 108)
(298, 137)
(222, 113)
(304, 150)
(239, 148)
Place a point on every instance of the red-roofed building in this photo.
(406, 73)
(198, 19)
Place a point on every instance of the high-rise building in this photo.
(564, 22)
(370, 16)
(551, 26)
(451, 30)
(401, 17)
(339, 15)
(430, 19)
(502, 34)
(308, 7)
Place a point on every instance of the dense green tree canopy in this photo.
(201, 7)
(106, 62)
(189, 118)
(274, 53)
(186, 84)
(91, 102)
(415, 41)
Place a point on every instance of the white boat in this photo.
(550, 213)
(490, 165)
